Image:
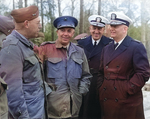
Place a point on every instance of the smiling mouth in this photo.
(113, 32)
(65, 38)
(96, 35)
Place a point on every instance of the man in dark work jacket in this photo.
(93, 46)
(23, 73)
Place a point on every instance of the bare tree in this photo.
(36, 2)
(20, 4)
(90, 9)
(59, 8)
(25, 2)
(42, 15)
(81, 17)
(72, 8)
(99, 7)
(143, 22)
(52, 17)
(13, 4)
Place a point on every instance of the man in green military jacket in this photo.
(6, 26)
(3, 100)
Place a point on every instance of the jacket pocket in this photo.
(76, 68)
(122, 87)
(31, 69)
(78, 61)
(54, 67)
(29, 62)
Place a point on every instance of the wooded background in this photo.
(137, 10)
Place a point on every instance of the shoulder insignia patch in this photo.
(137, 41)
(110, 42)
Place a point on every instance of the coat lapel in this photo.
(99, 47)
(109, 52)
(112, 54)
(71, 52)
(22, 39)
(71, 49)
(89, 47)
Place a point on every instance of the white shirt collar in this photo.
(97, 41)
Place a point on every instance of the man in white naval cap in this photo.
(93, 46)
(124, 69)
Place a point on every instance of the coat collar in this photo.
(72, 49)
(59, 45)
(89, 44)
(94, 51)
(22, 39)
(112, 54)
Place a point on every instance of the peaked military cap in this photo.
(118, 18)
(26, 13)
(65, 21)
(97, 20)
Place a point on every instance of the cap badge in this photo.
(34, 14)
(113, 16)
(65, 19)
(98, 19)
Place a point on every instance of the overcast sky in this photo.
(66, 4)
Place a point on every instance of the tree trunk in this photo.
(72, 8)
(42, 15)
(143, 23)
(99, 7)
(59, 7)
(13, 4)
(36, 2)
(20, 4)
(81, 17)
(148, 43)
(25, 2)
(52, 17)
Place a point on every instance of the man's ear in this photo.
(57, 32)
(90, 27)
(26, 23)
(73, 33)
(125, 28)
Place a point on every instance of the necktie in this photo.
(95, 43)
(115, 45)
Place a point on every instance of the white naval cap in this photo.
(118, 18)
(97, 20)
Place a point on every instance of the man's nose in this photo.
(40, 26)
